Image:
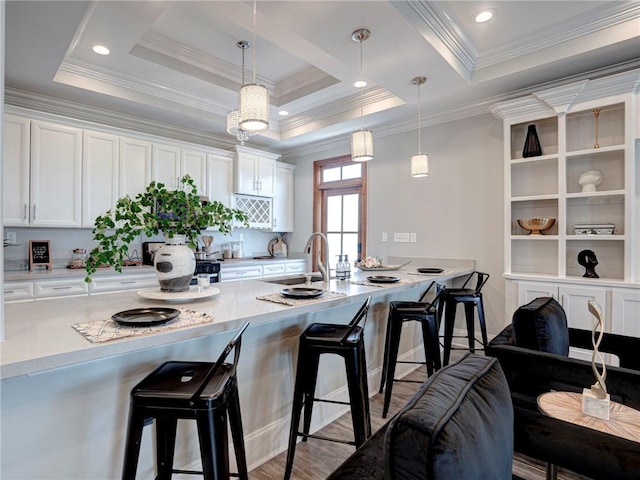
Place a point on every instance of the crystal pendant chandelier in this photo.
(254, 98)
(420, 161)
(361, 140)
(233, 117)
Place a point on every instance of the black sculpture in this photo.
(588, 260)
(532, 146)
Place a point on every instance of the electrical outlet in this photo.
(413, 238)
(11, 237)
(384, 236)
(401, 237)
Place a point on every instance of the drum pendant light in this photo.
(233, 117)
(254, 98)
(361, 140)
(420, 161)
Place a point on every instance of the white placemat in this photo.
(294, 302)
(100, 331)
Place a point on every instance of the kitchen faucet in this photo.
(324, 270)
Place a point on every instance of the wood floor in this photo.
(316, 459)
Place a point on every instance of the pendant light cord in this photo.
(361, 91)
(254, 40)
(419, 128)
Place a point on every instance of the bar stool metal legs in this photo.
(346, 341)
(200, 391)
(472, 299)
(400, 312)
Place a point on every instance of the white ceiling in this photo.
(176, 62)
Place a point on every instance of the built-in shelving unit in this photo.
(574, 139)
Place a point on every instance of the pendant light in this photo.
(233, 117)
(361, 140)
(254, 98)
(419, 162)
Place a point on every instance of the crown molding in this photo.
(561, 98)
(576, 28)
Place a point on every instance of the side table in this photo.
(567, 406)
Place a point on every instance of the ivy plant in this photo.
(156, 210)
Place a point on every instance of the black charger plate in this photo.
(145, 317)
(430, 270)
(301, 292)
(382, 279)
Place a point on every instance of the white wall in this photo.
(456, 211)
(1, 163)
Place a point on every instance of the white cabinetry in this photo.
(15, 177)
(170, 163)
(135, 166)
(60, 288)
(283, 199)
(296, 267)
(229, 274)
(273, 269)
(18, 291)
(220, 179)
(625, 311)
(51, 156)
(122, 283)
(255, 172)
(100, 158)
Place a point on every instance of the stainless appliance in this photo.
(206, 267)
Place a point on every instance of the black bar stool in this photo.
(201, 391)
(348, 342)
(399, 312)
(470, 297)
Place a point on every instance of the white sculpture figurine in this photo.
(596, 401)
(590, 180)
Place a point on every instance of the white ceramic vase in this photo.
(174, 263)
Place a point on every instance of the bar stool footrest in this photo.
(337, 402)
(326, 439)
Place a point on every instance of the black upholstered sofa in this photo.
(533, 353)
(459, 425)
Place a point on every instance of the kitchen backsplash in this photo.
(63, 241)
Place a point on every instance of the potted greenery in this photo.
(178, 214)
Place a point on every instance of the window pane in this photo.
(335, 247)
(351, 213)
(334, 213)
(351, 171)
(331, 174)
(350, 246)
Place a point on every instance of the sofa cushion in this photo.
(541, 325)
(458, 425)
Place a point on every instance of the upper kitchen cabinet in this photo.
(220, 178)
(100, 161)
(255, 172)
(42, 177)
(135, 166)
(170, 163)
(585, 177)
(15, 178)
(283, 199)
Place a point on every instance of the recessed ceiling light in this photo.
(283, 113)
(360, 84)
(101, 50)
(484, 15)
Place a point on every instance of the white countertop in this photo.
(39, 336)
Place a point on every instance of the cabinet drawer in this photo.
(60, 288)
(240, 273)
(296, 267)
(18, 291)
(270, 270)
(122, 283)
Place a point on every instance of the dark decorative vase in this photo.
(532, 146)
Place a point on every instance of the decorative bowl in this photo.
(536, 225)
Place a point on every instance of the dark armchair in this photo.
(533, 354)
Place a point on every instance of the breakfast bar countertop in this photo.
(39, 335)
